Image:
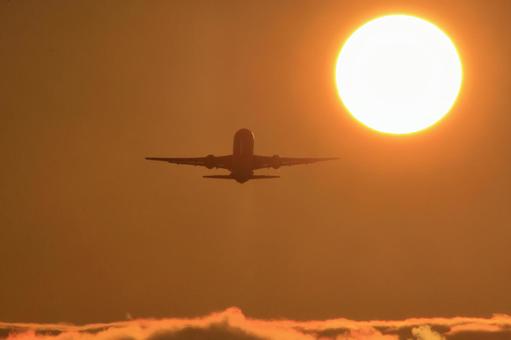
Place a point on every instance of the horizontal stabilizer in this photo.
(231, 177)
(219, 176)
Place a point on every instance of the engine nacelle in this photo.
(275, 161)
(210, 161)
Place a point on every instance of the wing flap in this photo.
(186, 161)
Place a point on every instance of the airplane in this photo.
(242, 162)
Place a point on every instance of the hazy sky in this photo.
(398, 227)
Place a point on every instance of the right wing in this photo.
(277, 161)
(208, 161)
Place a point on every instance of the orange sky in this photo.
(398, 227)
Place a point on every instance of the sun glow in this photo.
(398, 74)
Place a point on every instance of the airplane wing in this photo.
(209, 161)
(277, 161)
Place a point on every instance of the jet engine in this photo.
(210, 161)
(275, 161)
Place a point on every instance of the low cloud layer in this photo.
(231, 324)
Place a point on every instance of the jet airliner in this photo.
(242, 162)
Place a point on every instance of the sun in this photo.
(398, 74)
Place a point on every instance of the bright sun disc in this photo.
(398, 74)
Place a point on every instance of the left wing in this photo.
(277, 161)
(209, 161)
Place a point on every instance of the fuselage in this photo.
(242, 155)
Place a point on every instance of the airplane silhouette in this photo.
(242, 162)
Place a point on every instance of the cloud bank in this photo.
(231, 324)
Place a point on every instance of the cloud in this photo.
(426, 333)
(231, 324)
